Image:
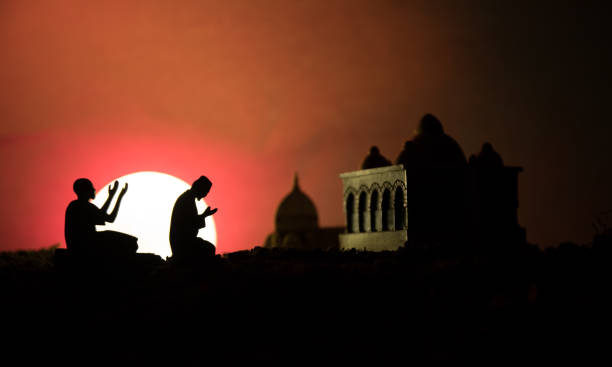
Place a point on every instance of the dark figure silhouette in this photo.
(375, 159)
(82, 217)
(185, 223)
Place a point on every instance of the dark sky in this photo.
(247, 92)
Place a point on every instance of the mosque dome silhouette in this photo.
(432, 148)
(296, 211)
(297, 224)
(374, 159)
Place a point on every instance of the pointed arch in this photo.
(350, 209)
(362, 211)
(373, 210)
(400, 209)
(385, 209)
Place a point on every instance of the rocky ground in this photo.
(442, 306)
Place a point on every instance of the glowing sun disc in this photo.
(146, 209)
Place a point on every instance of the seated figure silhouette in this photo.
(82, 217)
(185, 223)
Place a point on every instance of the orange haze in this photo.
(247, 92)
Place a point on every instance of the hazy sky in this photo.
(247, 92)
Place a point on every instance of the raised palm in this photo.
(112, 189)
(124, 189)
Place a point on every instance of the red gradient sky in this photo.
(248, 92)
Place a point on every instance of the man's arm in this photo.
(111, 193)
(111, 217)
(202, 217)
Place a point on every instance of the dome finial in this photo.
(296, 184)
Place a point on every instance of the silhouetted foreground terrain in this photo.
(518, 304)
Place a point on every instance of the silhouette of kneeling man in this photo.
(82, 217)
(185, 223)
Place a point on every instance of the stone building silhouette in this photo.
(297, 224)
(375, 206)
(431, 195)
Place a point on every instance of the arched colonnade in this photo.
(377, 208)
